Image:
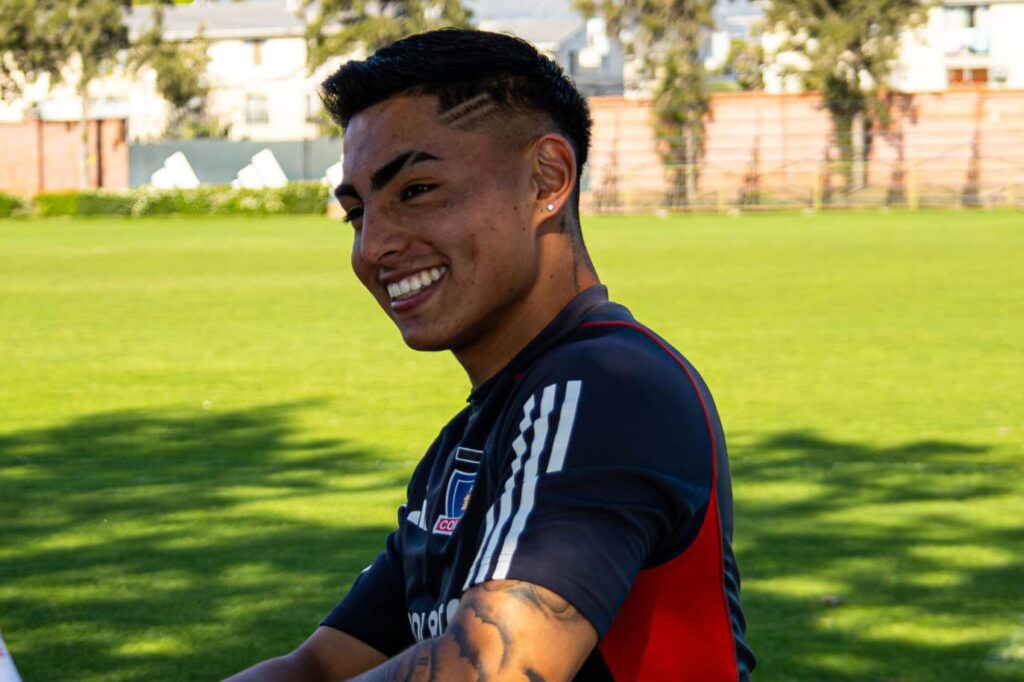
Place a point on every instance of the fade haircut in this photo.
(477, 77)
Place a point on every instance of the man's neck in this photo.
(492, 352)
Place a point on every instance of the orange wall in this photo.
(43, 156)
(784, 139)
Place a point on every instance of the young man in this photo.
(574, 521)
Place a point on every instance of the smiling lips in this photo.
(411, 285)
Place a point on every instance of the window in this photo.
(257, 51)
(256, 109)
(960, 78)
(967, 29)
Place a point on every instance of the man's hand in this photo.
(502, 630)
(326, 656)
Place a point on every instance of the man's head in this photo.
(463, 154)
(480, 79)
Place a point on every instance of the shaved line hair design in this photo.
(464, 115)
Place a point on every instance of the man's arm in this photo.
(502, 630)
(327, 655)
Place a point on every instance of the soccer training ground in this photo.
(206, 425)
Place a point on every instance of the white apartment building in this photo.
(260, 85)
(258, 78)
(259, 82)
(963, 43)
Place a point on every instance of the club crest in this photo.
(456, 499)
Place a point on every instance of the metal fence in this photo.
(780, 151)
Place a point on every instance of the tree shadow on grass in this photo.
(882, 564)
(177, 546)
(184, 546)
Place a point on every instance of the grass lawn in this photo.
(206, 425)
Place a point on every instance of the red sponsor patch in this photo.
(445, 525)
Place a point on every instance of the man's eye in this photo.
(353, 215)
(417, 189)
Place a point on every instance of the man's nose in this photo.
(382, 238)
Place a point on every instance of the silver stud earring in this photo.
(550, 207)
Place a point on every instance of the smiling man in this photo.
(574, 521)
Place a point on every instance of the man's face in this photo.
(443, 223)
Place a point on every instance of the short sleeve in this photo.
(373, 611)
(609, 471)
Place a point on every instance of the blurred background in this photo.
(206, 425)
(698, 104)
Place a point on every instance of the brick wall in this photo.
(943, 144)
(43, 156)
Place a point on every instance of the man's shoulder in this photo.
(612, 346)
(621, 360)
(626, 396)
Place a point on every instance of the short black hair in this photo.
(457, 65)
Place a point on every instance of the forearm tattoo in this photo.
(547, 603)
(419, 664)
(429, 662)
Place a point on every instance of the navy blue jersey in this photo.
(593, 465)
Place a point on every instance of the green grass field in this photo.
(206, 425)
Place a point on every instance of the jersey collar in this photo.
(563, 324)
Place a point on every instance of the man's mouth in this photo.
(413, 284)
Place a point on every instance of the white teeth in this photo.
(412, 284)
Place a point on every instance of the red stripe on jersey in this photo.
(675, 623)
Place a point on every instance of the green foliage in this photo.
(208, 425)
(667, 35)
(10, 205)
(89, 203)
(850, 47)
(179, 68)
(197, 124)
(307, 197)
(304, 197)
(57, 204)
(104, 203)
(299, 197)
(53, 36)
(745, 63)
(180, 79)
(339, 27)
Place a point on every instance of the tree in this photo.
(666, 36)
(59, 39)
(180, 69)
(337, 27)
(745, 63)
(849, 47)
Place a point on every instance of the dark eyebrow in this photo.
(388, 171)
(346, 190)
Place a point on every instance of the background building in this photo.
(965, 44)
(962, 44)
(581, 46)
(259, 83)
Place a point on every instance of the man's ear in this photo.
(554, 174)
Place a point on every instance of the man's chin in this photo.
(419, 340)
